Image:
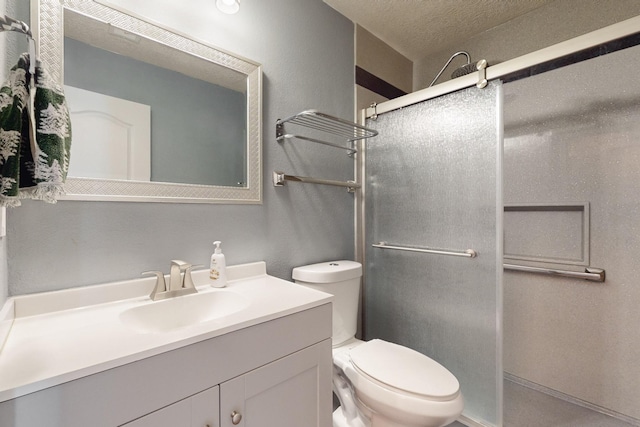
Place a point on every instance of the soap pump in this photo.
(218, 271)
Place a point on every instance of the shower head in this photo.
(468, 68)
(464, 70)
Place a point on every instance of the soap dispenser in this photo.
(218, 271)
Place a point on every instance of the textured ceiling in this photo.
(417, 28)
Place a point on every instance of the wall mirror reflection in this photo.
(156, 116)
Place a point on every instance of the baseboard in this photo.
(571, 399)
(470, 422)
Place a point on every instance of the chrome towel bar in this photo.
(469, 253)
(592, 274)
(279, 179)
(351, 150)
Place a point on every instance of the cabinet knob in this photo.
(236, 417)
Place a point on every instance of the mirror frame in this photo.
(48, 28)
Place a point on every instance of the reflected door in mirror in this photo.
(111, 137)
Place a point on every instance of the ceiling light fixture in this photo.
(228, 6)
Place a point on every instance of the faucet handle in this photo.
(161, 285)
(182, 264)
(188, 280)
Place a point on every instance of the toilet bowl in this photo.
(378, 383)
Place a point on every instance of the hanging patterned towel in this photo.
(35, 136)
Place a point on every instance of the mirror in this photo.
(155, 152)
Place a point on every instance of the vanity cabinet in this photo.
(275, 373)
(284, 393)
(201, 410)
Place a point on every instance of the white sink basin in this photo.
(180, 312)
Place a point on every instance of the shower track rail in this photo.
(469, 253)
(592, 274)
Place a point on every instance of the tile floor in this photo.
(525, 407)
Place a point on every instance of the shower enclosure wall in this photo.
(572, 140)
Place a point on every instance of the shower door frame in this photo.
(574, 50)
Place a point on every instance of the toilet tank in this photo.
(342, 280)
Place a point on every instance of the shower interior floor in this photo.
(526, 407)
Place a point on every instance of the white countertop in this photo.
(55, 337)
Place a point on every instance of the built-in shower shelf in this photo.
(345, 130)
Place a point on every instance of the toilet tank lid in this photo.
(328, 272)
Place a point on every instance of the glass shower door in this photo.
(434, 181)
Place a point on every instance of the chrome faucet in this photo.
(179, 284)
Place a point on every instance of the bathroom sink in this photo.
(180, 312)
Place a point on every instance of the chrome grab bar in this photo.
(469, 253)
(592, 274)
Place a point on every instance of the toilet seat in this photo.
(382, 390)
(404, 370)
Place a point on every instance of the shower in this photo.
(468, 68)
(540, 170)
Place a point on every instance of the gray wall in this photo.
(11, 46)
(553, 23)
(306, 49)
(197, 128)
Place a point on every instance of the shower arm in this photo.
(449, 62)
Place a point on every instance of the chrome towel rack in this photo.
(279, 179)
(592, 274)
(313, 119)
(469, 253)
(326, 123)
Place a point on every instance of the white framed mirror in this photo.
(228, 172)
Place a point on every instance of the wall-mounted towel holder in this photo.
(10, 24)
(327, 124)
(468, 253)
(279, 179)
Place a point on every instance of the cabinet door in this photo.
(176, 415)
(200, 410)
(293, 391)
(205, 408)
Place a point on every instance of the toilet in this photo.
(378, 383)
